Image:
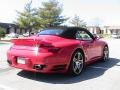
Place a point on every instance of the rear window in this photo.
(51, 32)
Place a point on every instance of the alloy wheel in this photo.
(78, 62)
(105, 53)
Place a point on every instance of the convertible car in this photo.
(57, 50)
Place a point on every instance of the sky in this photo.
(93, 12)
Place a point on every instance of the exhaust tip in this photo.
(38, 67)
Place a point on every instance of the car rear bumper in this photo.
(42, 62)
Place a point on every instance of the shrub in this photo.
(104, 35)
(2, 32)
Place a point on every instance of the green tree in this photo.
(50, 14)
(28, 18)
(2, 32)
(76, 21)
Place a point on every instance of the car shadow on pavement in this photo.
(90, 72)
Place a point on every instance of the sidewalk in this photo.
(3, 53)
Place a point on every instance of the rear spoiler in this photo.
(24, 41)
(29, 42)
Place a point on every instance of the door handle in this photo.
(86, 45)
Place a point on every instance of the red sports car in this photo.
(61, 49)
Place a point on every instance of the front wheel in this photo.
(105, 54)
(77, 63)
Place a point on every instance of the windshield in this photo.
(51, 32)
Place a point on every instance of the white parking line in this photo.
(3, 87)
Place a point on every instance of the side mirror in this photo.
(95, 36)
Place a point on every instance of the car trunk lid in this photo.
(44, 43)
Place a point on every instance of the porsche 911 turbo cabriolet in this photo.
(57, 50)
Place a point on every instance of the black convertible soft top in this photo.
(63, 31)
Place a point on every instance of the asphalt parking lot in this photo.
(98, 76)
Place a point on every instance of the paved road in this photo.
(98, 76)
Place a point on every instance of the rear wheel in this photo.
(105, 54)
(77, 63)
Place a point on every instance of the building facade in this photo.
(12, 28)
(104, 30)
(94, 29)
(9, 28)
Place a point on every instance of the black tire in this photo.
(105, 56)
(77, 63)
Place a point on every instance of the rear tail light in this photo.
(49, 47)
(54, 49)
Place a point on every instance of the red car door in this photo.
(90, 46)
(92, 49)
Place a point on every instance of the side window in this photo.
(82, 35)
(78, 35)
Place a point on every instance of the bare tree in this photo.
(76, 21)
